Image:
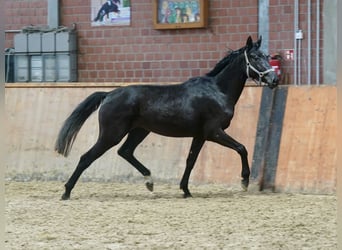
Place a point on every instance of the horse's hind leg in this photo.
(134, 138)
(104, 143)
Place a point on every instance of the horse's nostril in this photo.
(276, 79)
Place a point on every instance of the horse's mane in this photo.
(229, 58)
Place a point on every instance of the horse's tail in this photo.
(74, 122)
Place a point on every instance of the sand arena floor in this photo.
(127, 216)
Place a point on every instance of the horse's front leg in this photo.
(222, 138)
(196, 146)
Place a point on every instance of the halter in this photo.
(261, 74)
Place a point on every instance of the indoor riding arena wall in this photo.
(290, 134)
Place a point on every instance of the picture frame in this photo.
(180, 14)
(110, 13)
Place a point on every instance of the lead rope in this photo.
(261, 74)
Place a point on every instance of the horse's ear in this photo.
(249, 43)
(258, 43)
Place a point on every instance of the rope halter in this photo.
(250, 66)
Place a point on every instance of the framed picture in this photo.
(110, 13)
(180, 14)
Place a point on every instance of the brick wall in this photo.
(138, 53)
(281, 36)
(19, 14)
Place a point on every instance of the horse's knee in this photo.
(241, 149)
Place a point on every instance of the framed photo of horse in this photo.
(180, 14)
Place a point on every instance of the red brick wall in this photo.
(138, 53)
(19, 14)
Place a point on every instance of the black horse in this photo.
(106, 8)
(201, 108)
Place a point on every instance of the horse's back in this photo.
(171, 110)
(146, 93)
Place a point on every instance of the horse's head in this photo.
(257, 65)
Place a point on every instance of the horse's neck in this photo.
(231, 82)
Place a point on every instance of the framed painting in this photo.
(180, 14)
(110, 12)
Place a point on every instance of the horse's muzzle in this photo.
(272, 80)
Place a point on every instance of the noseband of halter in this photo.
(250, 66)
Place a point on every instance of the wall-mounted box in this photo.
(34, 42)
(36, 68)
(66, 41)
(20, 43)
(66, 67)
(49, 62)
(45, 56)
(48, 42)
(21, 63)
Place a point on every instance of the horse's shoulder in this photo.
(205, 88)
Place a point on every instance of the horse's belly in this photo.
(175, 126)
(174, 132)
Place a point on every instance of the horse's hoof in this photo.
(65, 197)
(244, 185)
(149, 186)
(188, 195)
(149, 183)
